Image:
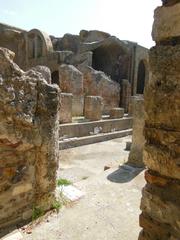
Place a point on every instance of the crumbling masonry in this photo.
(28, 141)
(160, 205)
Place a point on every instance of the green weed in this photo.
(37, 212)
(63, 182)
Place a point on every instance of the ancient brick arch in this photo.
(38, 44)
(112, 57)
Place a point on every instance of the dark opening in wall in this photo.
(55, 77)
(141, 78)
(112, 60)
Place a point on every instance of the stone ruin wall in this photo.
(83, 51)
(28, 141)
(13, 39)
(71, 81)
(96, 83)
(160, 205)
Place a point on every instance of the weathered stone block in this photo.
(161, 195)
(71, 81)
(164, 138)
(156, 158)
(96, 83)
(116, 113)
(164, 60)
(166, 22)
(93, 108)
(28, 140)
(138, 140)
(153, 179)
(77, 105)
(66, 108)
(154, 228)
(45, 71)
(163, 89)
(162, 211)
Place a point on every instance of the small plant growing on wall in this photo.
(37, 212)
(57, 205)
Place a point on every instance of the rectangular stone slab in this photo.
(166, 23)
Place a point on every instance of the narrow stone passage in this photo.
(110, 207)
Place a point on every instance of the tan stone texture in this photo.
(166, 23)
(71, 81)
(125, 94)
(93, 108)
(93, 36)
(116, 113)
(138, 140)
(28, 140)
(96, 83)
(160, 204)
(65, 113)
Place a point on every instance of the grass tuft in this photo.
(63, 182)
(57, 205)
(37, 212)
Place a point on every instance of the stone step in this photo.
(81, 129)
(79, 141)
(83, 119)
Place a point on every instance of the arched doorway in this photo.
(112, 57)
(55, 77)
(141, 77)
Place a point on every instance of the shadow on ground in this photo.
(124, 174)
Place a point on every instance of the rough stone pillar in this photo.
(93, 108)
(71, 81)
(131, 103)
(65, 113)
(160, 205)
(28, 141)
(125, 94)
(136, 153)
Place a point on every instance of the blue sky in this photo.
(126, 19)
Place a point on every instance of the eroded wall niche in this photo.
(141, 78)
(28, 141)
(112, 59)
(160, 205)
